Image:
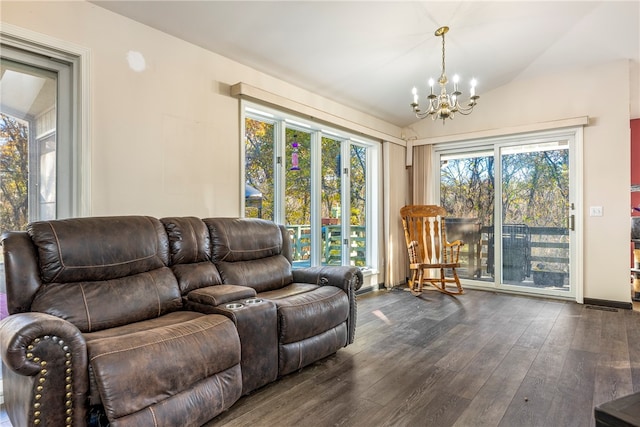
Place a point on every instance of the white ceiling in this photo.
(369, 54)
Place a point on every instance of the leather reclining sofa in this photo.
(139, 321)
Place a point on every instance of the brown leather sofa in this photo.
(138, 321)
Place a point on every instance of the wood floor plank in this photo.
(573, 399)
(588, 332)
(415, 407)
(491, 402)
(613, 371)
(632, 329)
(531, 403)
(473, 377)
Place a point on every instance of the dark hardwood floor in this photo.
(481, 359)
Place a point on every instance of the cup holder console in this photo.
(234, 306)
(253, 301)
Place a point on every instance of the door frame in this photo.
(573, 131)
(79, 57)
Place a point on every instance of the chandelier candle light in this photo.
(444, 106)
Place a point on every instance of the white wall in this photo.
(166, 140)
(583, 92)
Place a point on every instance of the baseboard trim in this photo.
(366, 289)
(607, 303)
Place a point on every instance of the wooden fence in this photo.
(331, 244)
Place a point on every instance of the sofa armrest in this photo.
(45, 360)
(349, 279)
(343, 277)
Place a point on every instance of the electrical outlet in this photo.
(595, 211)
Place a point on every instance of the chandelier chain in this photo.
(443, 69)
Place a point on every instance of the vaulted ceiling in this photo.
(369, 54)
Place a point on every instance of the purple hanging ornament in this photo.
(294, 155)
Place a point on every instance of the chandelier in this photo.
(444, 106)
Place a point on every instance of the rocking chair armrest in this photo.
(455, 243)
(454, 249)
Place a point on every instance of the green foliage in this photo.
(467, 188)
(14, 174)
(298, 182)
(331, 178)
(259, 174)
(358, 184)
(259, 170)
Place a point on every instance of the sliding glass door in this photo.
(511, 201)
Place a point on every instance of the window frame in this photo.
(284, 120)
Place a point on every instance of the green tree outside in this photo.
(14, 173)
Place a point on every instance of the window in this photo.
(315, 180)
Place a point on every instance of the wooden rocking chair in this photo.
(424, 231)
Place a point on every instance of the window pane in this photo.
(358, 205)
(297, 163)
(259, 171)
(28, 145)
(331, 202)
(535, 209)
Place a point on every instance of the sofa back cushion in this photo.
(190, 253)
(98, 248)
(250, 252)
(103, 272)
(94, 306)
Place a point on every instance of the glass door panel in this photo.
(358, 206)
(331, 206)
(535, 216)
(297, 193)
(467, 192)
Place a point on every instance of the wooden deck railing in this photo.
(331, 244)
(546, 246)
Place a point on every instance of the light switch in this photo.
(595, 211)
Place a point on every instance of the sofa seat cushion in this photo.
(220, 294)
(141, 368)
(311, 313)
(145, 325)
(288, 291)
